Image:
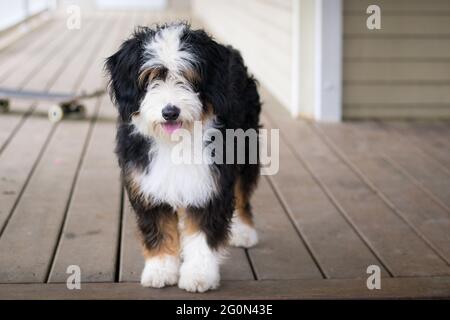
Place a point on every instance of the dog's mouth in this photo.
(170, 126)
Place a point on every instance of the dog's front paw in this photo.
(196, 277)
(242, 234)
(160, 272)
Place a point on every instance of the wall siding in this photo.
(402, 70)
(261, 30)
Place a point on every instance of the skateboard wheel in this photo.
(55, 113)
(4, 105)
(81, 110)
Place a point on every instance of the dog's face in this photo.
(158, 78)
(169, 77)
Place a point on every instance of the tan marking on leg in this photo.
(133, 187)
(170, 243)
(189, 225)
(242, 204)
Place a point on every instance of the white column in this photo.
(328, 61)
(316, 83)
(295, 79)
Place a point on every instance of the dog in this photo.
(163, 79)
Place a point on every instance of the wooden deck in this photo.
(347, 195)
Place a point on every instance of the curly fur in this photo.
(217, 76)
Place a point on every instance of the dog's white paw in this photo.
(197, 277)
(242, 234)
(160, 272)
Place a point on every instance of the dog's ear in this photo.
(219, 66)
(123, 68)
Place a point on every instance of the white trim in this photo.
(296, 65)
(328, 62)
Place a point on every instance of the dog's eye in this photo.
(154, 85)
(158, 74)
(161, 74)
(192, 76)
(149, 75)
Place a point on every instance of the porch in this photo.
(347, 195)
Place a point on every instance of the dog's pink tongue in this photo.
(171, 127)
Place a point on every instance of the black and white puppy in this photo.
(167, 78)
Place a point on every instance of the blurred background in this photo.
(318, 58)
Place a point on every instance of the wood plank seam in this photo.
(90, 62)
(72, 188)
(300, 191)
(120, 233)
(92, 123)
(398, 82)
(336, 203)
(123, 203)
(250, 262)
(393, 288)
(41, 152)
(30, 174)
(70, 55)
(424, 153)
(33, 105)
(421, 151)
(395, 59)
(66, 248)
(288, 213)
(396, 36)
(429, 190)
(430, 151)
(417, 183)
(378, 192)
(43, 42)
(19, 125)
(47, 58)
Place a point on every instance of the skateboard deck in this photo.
(63, 103)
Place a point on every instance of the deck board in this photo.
(131, 259)
(432, 138)
(429, 220)
(90, 234)
(16, 73)
(374, 219)
(402, 153)
(392, 288)
(93, 217)
(26, 47)
(276, 256)
(347, 195)
(28, 242)
(29, 76)
(18, 161)
(34, 237)
(320, 221)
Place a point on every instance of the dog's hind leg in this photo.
(243, 232)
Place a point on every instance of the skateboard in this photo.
(63, 103)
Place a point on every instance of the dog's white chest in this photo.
(178, 184)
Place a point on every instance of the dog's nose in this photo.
(170, 112)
